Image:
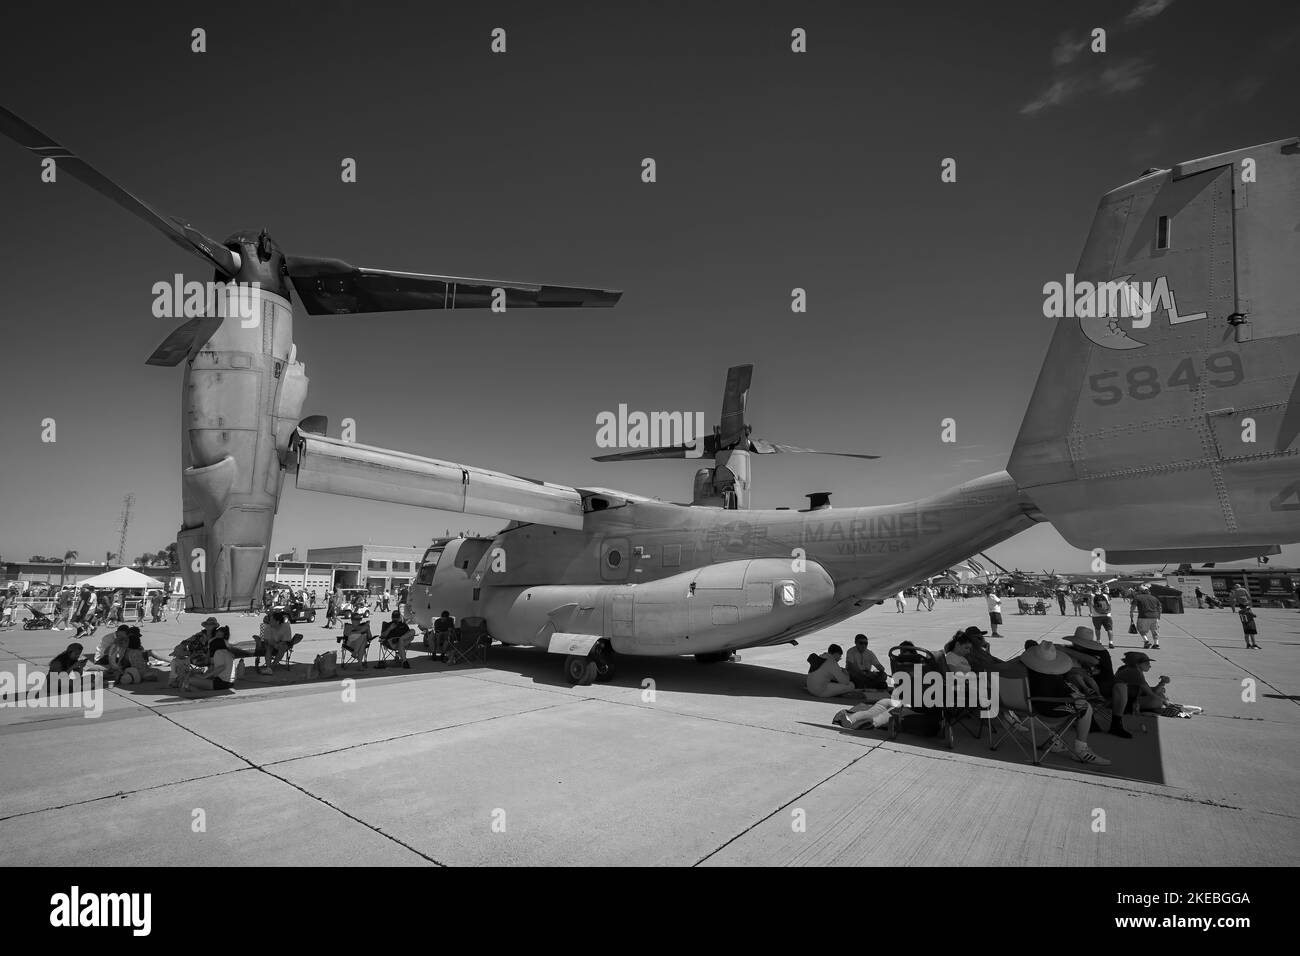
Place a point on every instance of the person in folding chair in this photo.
(394, 639)
(1052, 696)
(275, 641)
(356, 639)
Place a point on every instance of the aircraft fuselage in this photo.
(653, 578)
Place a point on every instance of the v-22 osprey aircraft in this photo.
(1133, 441)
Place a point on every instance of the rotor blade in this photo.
(645, 454)
(333, 287)
(764, 447)
(185, 339)
(179, 232)
(733, 405)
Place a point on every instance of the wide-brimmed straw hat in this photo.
(1043, 658)
(1084, 637)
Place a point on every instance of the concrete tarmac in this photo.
(671, 763)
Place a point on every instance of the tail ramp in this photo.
(1172, 426)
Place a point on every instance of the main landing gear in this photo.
(596, 667)
(717, 657)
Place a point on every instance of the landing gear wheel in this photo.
(604, 670)
(580, 671)
(717, 657)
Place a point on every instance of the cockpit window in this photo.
(428, 566)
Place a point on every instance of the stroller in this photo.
(924, 721)
(39, 621)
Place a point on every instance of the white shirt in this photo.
(224, 664)
(994, 603)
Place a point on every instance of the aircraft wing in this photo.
(362, 471)
(335, 287)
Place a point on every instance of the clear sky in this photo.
(775, 170)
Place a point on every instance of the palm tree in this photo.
(67, 556)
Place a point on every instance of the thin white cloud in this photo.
(1125, 76)
(1056, 94)
(1147, 10)
(1067, 49)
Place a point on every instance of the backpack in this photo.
(1101, 605)
(325, 665)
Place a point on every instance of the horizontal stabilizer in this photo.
(1191, 555)
(361, 471)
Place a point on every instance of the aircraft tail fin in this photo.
(1167, 410)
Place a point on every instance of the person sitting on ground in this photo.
(69, 662)
(219, 675)
(443, 631)
(113, 661)
(864, 668)
(395, 636)
(828, 679)
(1054, 697)
(107, 641)
(193, 651)
(137, 657)
(274, 640)
(1132, 690)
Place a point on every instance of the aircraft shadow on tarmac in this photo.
(679, 674)
(1136, 759)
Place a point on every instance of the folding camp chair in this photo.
(469, 642)
(1046, 733)
(1023, 607)
(387, 652)
(261, 650)
(350, 633)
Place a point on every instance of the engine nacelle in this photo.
(716, 608)
(242, 397)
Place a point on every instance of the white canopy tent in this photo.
(122, 578)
